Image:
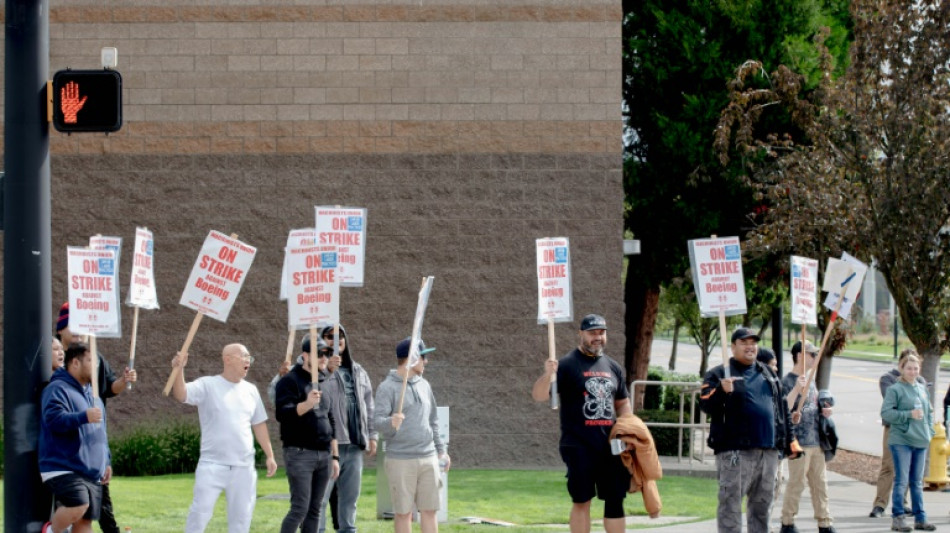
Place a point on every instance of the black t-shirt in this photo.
(588, 387)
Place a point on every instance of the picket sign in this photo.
(555, 300)
(843, 279)
(421, 304)
(142, 293)
(214, 284)
(716, 264)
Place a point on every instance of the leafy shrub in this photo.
(661, 404)
(666, 396)
(653, 397)
(666, 438)
(156, 449)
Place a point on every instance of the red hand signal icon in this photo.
(70, 102)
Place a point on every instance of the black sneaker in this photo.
(877, 512)
(829, 529)
(788, 528)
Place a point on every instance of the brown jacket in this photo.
(641, 460)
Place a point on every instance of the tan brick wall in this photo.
(376, 76)
(467, 128)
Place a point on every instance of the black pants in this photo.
(106, 516)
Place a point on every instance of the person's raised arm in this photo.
(541, 391)
(179, 392)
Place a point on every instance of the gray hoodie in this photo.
(418, 436)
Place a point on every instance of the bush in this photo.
(156, 449)
(661, 404)
(653, 396)
(666, 397)
(666, 439)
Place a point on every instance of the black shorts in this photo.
(592, 474)
(73, 490)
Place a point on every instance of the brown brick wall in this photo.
(468, 129)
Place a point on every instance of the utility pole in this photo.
(27, 318)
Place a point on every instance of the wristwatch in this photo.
(335, 457)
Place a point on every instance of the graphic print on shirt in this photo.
(598, 399)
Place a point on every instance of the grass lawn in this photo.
(527, 498)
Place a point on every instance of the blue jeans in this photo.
(908, 469)
(308, 472)
(347, 489)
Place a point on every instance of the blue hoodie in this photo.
(68, 442)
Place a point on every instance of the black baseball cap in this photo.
(402, 349)
(744, 333)
(593, 322)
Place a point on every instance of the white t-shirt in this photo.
(226, 412)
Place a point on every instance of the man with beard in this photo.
(749, 430)
(593, 393)
(229, 409)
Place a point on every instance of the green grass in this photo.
(530, 499)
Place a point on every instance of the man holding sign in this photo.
(749, 430)
(807, 431)
(229, 410)
(414, 449)
(593, 394)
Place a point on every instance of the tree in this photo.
(678, 56)
(871, 176)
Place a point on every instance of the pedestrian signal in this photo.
(87, 100)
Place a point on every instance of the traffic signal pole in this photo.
(27, 320)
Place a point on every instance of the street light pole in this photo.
(27, 320)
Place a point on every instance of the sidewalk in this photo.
(850, 502)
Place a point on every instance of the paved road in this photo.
(853, 383)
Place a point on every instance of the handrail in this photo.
(692, 388)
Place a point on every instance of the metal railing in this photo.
(690, 388)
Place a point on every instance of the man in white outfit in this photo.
(229, 409)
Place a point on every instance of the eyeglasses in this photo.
(324, 353)
(246, 357)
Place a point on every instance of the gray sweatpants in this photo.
(745, 473)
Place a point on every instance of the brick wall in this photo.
(468, 129)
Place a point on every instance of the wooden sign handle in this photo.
(552, 357)
(184, 349)
(314, 362)
(135, 332)
(725, 345)
(95, 367)
(291, 336)
(798, 391)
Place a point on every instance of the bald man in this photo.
(229, 410)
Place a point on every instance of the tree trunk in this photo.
(705, 348)
(642, 305)
(823, 377)
(928, 369)
(676, 338)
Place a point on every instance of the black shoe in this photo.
(829, 529)
(789, 528)
(877, 512)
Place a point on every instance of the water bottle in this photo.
(919, 406)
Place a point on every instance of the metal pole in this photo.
(777, 337)
(895, 336)
(27, 320)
